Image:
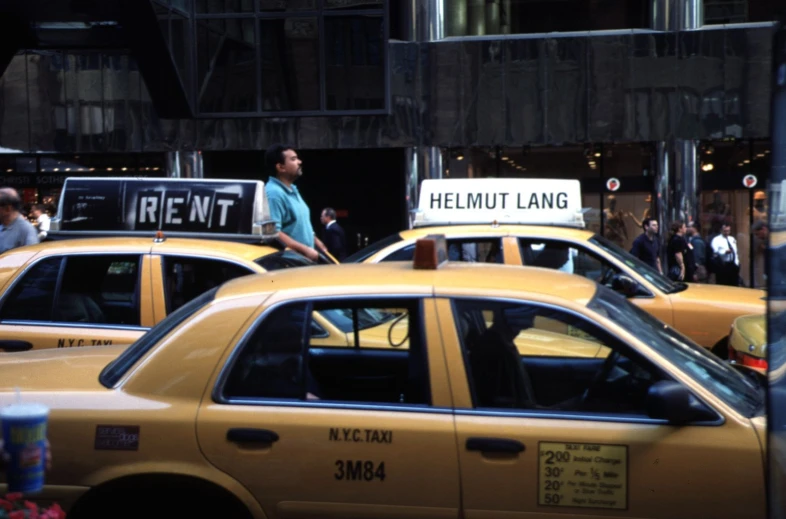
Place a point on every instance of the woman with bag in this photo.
(682, 265)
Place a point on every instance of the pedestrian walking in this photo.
(287, 208)
(699, 252)
(725, 257)
(680, 254)
(16, 230)
(646, 246)
(333, 237)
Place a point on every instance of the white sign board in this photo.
(502, 200)
(750, 181)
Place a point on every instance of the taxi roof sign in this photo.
(431, 252)
(538, 201)
(124, 206)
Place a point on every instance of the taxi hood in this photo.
(62, 369)
(743, 300)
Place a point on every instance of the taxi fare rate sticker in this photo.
(583, 475)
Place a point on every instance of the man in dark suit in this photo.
(333, 237)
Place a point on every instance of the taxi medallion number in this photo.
(583, 475)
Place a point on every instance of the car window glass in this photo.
(99, 289)
(459, 249)
(523, 356)
(559, 255)
(187, 277)
(381, 359)
(33, 295)
(282, 260)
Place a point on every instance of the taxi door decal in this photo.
(583, 475)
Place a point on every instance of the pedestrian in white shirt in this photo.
(725, 258)
(42, 221)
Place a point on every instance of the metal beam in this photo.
(146, 43)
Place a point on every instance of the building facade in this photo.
(659, 107)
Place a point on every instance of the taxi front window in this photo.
(663, 283)
(707, 369)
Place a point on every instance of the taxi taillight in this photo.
(752, 362)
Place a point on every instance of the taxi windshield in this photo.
(721, 378)
(663, 283)
(342, 318)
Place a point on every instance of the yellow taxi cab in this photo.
(748, 341)
(539, 222)
(227, 409)
(162, 242)
(748, 335)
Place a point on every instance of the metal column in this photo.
(184, 164)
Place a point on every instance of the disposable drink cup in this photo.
(24, 436)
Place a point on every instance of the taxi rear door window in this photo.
(373, 352)
(32, 296)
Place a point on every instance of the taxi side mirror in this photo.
(627, 286)
(671, 401)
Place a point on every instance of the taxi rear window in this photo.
(283, 260)
(363, 254)
(118, 367)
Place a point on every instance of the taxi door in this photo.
(332, 458)
(543, 463)
(120, 307)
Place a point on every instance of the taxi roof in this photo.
(400, 277)
(497, 230)
(202, 247)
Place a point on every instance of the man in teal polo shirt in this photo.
(287, 207)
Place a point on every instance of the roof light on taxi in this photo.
(431, 252)
(533, 201)
(180, 207)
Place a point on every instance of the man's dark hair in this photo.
(330, 212)
(646, 222)
(9, 197)
(275, 155)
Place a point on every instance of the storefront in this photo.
(39, 178)
(619, 187)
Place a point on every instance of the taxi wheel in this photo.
(157, 496)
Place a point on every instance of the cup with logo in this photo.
(24, 427)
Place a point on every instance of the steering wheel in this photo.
(607, 276)
(600, 377)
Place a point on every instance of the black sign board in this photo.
(141, 205)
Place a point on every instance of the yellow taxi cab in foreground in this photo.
(81, 289)
(227, 409)
(748, 337)
(748, 341)
(539, 222)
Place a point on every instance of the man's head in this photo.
(760, 229)
(726, 229)
(282, 162)
(37, 210)
(691, 229)
(650, 226)
(10, 205)
(327, 216)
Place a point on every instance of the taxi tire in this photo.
(155, 496)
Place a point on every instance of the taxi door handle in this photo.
(241, 435)
(494, 445)
(15, 345)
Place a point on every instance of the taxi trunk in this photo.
(64, 369)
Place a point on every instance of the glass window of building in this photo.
(290, 57)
